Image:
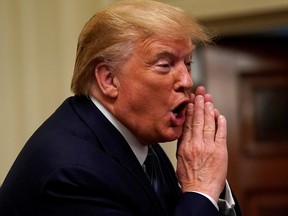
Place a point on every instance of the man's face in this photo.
(154, 86)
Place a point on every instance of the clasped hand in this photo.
(202, 157)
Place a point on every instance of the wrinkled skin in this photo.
(202, 152)
(150, 95)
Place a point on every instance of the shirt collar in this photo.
(139, 150)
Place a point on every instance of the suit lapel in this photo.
(113, 143)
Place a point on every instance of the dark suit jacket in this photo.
(77, 163)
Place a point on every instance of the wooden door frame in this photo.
(247, 23)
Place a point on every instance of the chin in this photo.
(173, 136)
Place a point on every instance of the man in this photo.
(132, 83)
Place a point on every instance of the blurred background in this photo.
(246, 70)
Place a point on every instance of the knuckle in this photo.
(209, 128)
(198, 123)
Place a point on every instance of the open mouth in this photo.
(179, 109)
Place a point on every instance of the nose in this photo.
(184, 80)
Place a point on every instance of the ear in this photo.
(106, 80)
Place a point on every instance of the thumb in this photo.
(187, 127)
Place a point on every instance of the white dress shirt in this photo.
(141, 152)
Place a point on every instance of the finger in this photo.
(198, 118)
(200, 90)
(186, 134)
(208, 98)
(192, 98)
(221, 133)
(209, 124)
(217, 113)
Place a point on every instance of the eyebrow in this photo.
(166, 54)
(172, 55)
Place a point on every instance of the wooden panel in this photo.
(264, 106)
(248, 78)
(267, 203)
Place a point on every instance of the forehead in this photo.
(156, 46)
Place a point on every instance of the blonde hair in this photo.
(111, 34)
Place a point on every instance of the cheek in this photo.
(146, 99)
(148, 111)
(143, 95)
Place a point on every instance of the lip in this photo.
(178, 118)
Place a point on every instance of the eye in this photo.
(164, 65)
(189, 65)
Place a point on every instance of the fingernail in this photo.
(209, 105)
(190, 106)
(221, 118)
(199, 98)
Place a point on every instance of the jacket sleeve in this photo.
(68, 191)
(194, 204)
